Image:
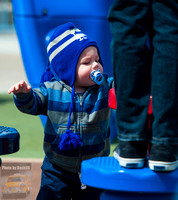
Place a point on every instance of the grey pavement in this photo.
(11, 65)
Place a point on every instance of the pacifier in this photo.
(97, 77)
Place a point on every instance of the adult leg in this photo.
(164, 87)
(130, 22)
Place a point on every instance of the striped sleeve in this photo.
(33, 103)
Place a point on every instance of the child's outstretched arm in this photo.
(20, 87)
(27, 100)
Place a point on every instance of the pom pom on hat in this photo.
(69, 141)
(47, 75)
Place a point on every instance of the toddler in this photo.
(78, 116)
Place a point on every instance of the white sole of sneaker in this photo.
(130, 162)
(162, 166)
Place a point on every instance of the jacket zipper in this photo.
(81, 109)
(80, 153)
(81, 104)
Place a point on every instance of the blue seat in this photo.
(9, 140)
(123, 184)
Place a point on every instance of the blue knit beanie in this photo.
(64, 48)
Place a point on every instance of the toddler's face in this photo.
(88, 61)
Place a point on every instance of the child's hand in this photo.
(20, 87)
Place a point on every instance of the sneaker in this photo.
(131, 154)
(163, 157)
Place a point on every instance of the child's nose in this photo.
(95, 66)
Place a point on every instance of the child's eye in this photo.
(86, 62)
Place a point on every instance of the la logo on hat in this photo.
(79, 36)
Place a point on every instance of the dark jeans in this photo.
(59, 184)
(141, 69)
